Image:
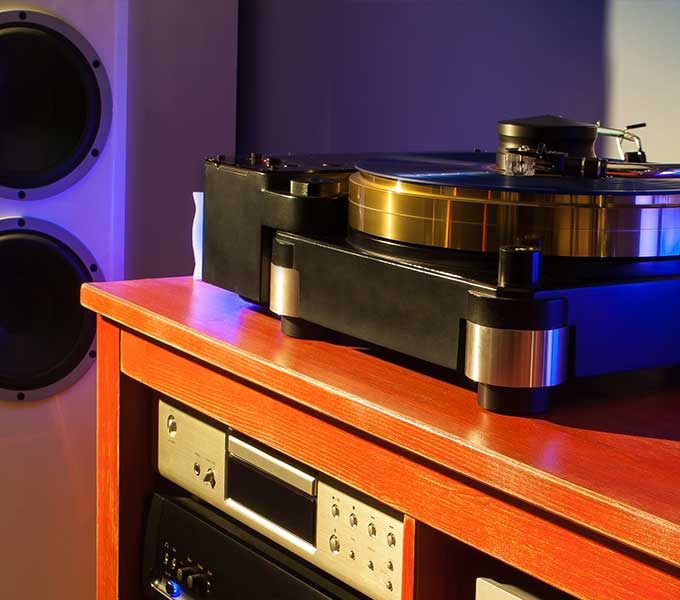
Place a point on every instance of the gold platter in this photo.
(444, 216)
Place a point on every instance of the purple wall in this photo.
(181, 108)
(371, 75)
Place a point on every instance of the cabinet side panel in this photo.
(108, 351)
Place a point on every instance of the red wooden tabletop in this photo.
(607, 456)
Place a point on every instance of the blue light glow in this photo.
(173, 588)
(670, 233)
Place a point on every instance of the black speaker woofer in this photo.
(46, 336)
(55, 105)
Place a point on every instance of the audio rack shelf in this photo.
(585, 498)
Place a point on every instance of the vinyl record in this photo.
(477, 170)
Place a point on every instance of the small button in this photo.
(197, 582)
(335, 511)
(174, 563)
(353, 521)
(334, 544)
(197, 469)
(390, 566)
(210, 478)
(166, 559)
(352, 555)
(371, 565)
(371, 530)
(391, 540)
(172, 426)
(388, 585)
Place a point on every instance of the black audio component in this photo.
(192, 552)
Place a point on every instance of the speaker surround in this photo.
(55, 105)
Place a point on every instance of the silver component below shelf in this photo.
(488, 589)
(516, 358)
(273, 466)
(284, 291)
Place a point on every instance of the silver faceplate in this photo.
(376, 540)
(192, 443)
(358, 549)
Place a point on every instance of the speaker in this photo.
(75, 198)
(55, 117)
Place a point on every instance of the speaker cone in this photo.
(46, 336)
(54, 105)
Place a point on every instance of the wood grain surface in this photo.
(552, 549)
(409, 559)
(446, 568)
(608, 457)
(108, 373)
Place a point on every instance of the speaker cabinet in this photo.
(71, 171)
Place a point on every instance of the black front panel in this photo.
(44, 331)
(192, 552)
(50, 106)
(273, 499)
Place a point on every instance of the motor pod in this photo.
(516, 345)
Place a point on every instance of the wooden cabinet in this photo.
(585, 499)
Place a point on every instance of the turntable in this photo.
(522, 269)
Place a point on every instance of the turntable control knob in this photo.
(334, 544)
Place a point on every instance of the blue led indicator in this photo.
(173, 588)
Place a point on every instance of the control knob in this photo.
(183, 572)
(198, 582)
